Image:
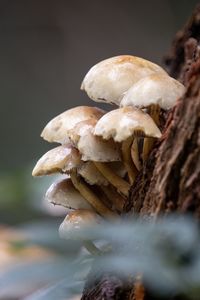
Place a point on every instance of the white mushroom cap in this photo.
(92, 147)
(56, 130)
(91, 174)
(60, 159)
(122, 123)
(64, 193)
(108, 80)
(154, 89)
(77, 220)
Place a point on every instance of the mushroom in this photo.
(154, 92)
(92, 147)
(108, 80)
(78, 220)
(57, 128)
(122, 124)
(61, 159)
(61, 128)
(66, 159)
(98, 151)
(63, 192)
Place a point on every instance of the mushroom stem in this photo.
(121, 185)
(135, 154)
(90, 196)
(154, 112)
(91, 248)
(127, 159)
(116, 199)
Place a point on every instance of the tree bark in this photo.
(170, 179)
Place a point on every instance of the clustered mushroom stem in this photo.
(127, 160)
(91, 197)
(91, 248)
(116, 199)
(135, 154)
(154, 112)
(147, 146)
(120, 184)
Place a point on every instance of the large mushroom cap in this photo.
(64, 193)
(60, 159)
(92, 147)
(108, 80)
(77, 220)
(122, 123)
(154, 89)
(56, 130)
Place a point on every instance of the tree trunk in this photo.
(171, 175)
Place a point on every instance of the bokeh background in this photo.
(46, 48)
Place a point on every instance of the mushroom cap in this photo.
(108, 80)
(56, 130)
(91, 174)
(77, 220)
(60, 159)
(92, 147)
(154, 89)
(64, 193)
(122, 123)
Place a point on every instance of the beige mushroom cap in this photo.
(64, 193)
(92, 147)
(60, 159)
(56, 130)
(122, 123)
(154, 89)
(108, 80)
(77, 220)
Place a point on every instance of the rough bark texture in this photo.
(170, 179)
(170, 176)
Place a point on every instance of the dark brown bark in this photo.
(170, 178)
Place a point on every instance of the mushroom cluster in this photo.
(101, 153)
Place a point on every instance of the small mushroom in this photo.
(63, 192)
(108, 80)
(122, 125)
(92, 147)
(78, 220)
(99, 151)
(66, 159)
(61, 159)
(154, 92)
(56, 130)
